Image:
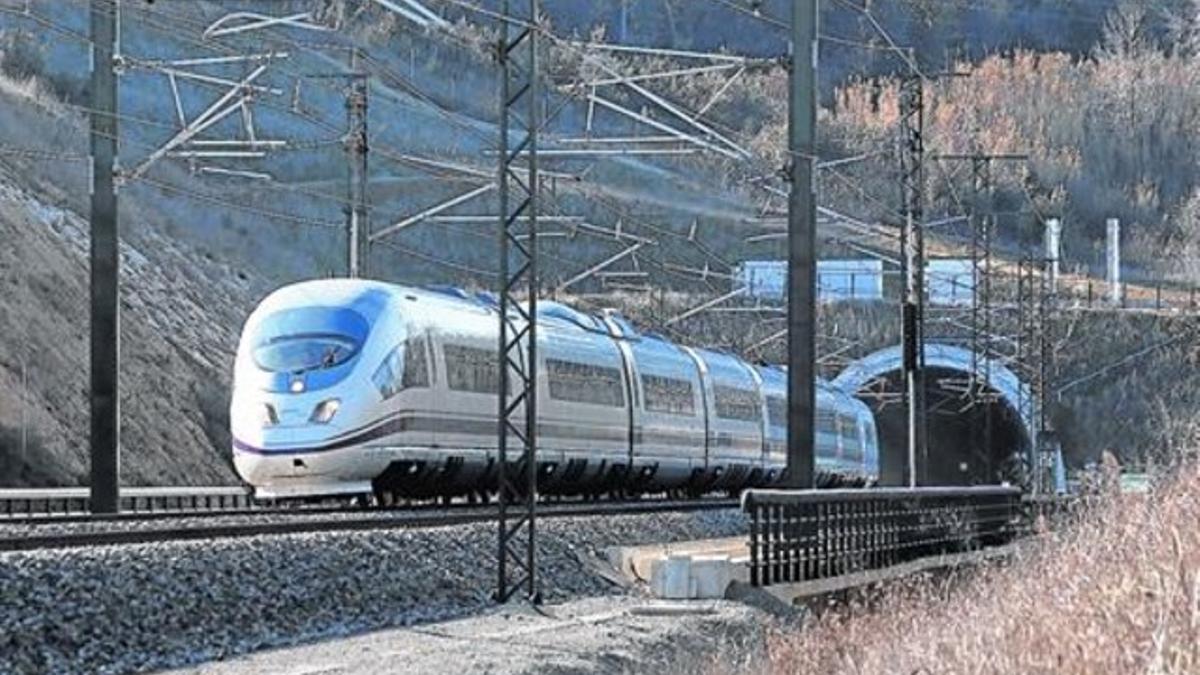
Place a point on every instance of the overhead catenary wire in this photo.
(177, 20)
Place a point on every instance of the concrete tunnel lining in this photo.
(1014, 422)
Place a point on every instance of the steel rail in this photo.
(266, 508)
(398, 520)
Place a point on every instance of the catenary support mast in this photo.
(105, 262)
(358, 225)
(520, 118)
(802, 244)
(912, 242)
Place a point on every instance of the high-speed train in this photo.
(359, 388)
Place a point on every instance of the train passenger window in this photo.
(406, 367)
(416, 364)
(777, 411)
(471, 369)
(668, 395)
(585, 383)
(852, 448)
(737, 404)
(386, 376)
(826, 422)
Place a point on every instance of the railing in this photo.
(76, 501)
(802, 535)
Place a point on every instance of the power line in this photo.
(237, 206)
(905, 55)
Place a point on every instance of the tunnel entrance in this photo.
(961, 449)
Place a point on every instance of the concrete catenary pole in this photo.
(105, 262)
(1114, 261)
(358, 226)
(802, 244)
(1053, 240)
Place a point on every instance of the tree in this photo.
(1126, 30)
(21, 56)
(1183, 28)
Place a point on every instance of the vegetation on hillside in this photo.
(1111, 132)
(1115, 591)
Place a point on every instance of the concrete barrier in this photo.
(689, 570)
(695, 577)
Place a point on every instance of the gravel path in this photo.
(130, 608)
(593, 635)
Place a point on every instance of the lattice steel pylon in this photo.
(518, 230)
(981, 293)
(1033, 345)
(1047, 310)
(912, 260)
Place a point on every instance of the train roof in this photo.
(369, 297)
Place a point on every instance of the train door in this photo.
(633, 395)
(437, 381)
(706, 405)
(764, 422)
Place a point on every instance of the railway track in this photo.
(316, 521)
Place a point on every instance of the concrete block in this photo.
(671, 578)
(692, 577)
(710, 575)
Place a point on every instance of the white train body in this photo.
(346, 387)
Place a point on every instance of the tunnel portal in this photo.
(962, 450)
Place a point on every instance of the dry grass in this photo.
(1117, 592)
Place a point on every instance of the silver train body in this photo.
(350, 387)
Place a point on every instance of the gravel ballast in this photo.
(131, 608)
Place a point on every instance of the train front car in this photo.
(304, 405)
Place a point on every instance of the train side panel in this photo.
(669, 424)
(735, 409)
(583, 408)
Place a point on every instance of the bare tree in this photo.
(1126, 30)
(1183, 29)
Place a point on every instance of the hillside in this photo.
(181, 313)
(203, 244)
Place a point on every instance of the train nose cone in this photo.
(250, 467)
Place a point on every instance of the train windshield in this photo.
(309, 338)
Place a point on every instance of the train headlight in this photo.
(325, 411)
(267, 417)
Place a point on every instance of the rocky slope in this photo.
(181, 313)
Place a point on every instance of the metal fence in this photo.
(801, 535)
(29, 502)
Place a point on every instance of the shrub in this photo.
(22, 56)
(1115, 592)
(24, 466)
(212, 402)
